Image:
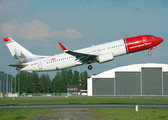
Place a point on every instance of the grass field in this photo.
(101, 113)
(14, 114)
(130, 114)
(81, 100)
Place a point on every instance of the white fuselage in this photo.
(65, 60)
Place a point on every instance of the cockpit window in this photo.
(153, 37)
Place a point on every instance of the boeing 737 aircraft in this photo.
(26, 61)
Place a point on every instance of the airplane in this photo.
(26, 61)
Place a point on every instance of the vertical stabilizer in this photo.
(19, 53)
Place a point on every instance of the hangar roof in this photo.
(130, 68)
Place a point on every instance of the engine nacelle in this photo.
(105, 57)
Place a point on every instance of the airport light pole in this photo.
(18, 82)
(7, 84)
(15, 82)
(11, 81)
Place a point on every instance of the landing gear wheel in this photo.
(149, 53)
(90, 67)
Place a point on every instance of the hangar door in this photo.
(127, 83)
(165, 83)
(103, 86)
(0, 85)
(3, 86)
(151, 81)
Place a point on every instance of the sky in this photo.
(38, 25)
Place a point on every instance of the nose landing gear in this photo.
(90, 67)
(149, 52)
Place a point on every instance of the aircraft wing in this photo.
(84, 58)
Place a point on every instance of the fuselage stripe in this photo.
(125, 46)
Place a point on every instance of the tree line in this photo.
(33, 83)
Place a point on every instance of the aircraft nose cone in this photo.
(160, 40)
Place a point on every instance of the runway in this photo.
(80, 106)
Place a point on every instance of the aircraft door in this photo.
(40, 65)
(144, 41)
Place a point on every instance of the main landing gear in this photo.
(90, 67)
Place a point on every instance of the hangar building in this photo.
(5, 83)
(136, 79)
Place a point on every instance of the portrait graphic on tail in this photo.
(19, 57)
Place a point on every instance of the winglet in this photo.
(63, 47)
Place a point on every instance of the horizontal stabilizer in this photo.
(18, 66)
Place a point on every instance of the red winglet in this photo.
(8, 39)
(63, 48)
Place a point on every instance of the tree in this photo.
(70, 77)
(2, 72)
(30, 85)
(33, 83)
(81, 79)
(64, 80)
(85, 77)
(48, 84)
(76, 78)
(43, 84)
(56, 83)
(22, 78)
(23, 81)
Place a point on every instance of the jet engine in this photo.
(105, 57)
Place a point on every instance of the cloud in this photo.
(12, 6)
(36, 30)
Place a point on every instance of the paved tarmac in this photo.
(80, 106)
